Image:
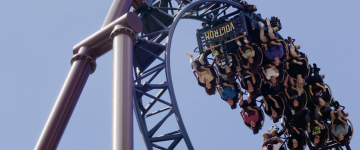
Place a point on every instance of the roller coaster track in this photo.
(160, 19)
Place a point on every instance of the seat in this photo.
(305, 137)
(238, 94)
(304, 96)
(261, 115)
(327, 134)
(286, 52)
(213, 69)
(283, 102)
(351, 132)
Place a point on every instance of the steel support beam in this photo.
(67, 99)
(100, 43)
(117, 9)
(122, 94)
(123, 38)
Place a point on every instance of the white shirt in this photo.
(275, 147)
(271, 72)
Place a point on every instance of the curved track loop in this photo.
(159, 24)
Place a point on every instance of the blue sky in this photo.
(37, 37)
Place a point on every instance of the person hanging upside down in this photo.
(296, 139)
(316, 128)
(341, 130)
(249, 56)
(271, 142)
(273, 77)
(226, 69)
(250, 82)
(206, 75)
(273, 107)
(252, 118)
(272, 46)
(229, 93)
(295, 102)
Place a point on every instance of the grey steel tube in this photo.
(66, 101)
(117, 9)
(122, 94)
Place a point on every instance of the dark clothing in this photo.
(271, 104)
(315, 131)
(301, 99)
(315, 128)
(313, 115)
(299, 121)
(318, 93)
(246, 104)
(268, 89)
(248, 77)
(293, 135)
(325, 113)
(295, 69)
(232, 64)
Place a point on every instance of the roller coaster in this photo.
(147, 33)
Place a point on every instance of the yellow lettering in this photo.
(216, 33)
(220, 34)
(232, 26)
(206, 35)
(228, 28)
(223, 28)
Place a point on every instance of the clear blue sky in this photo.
(37, 37)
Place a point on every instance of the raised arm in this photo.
(286, 81)
(318, 84)
(241, 101)
(272, 66)
(242, 112)
(287, 132)
(266, 104)
(286, 93)
(230, 85)
(275, 43)
(216, 61)
(342, 120)
(296, 130)
(292, 81)
(319, 124)
(208, 69)
(252, 109)
(198, 73)
(247, 45)
(265, 47)
(310, 88)
(240, 50)
(220, 90)
(263, 70)
(276, 103)
(277, 139)
(252, 76)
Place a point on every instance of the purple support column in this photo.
(83, 64)
(117, 9)
(124, 39)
